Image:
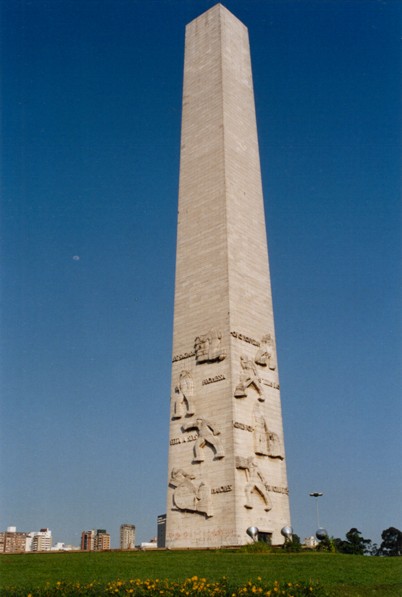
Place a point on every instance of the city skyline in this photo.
(90, 151)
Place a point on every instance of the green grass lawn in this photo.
(342, 575)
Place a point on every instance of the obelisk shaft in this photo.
(226, 458)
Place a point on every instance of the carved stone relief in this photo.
(266, 354)
(183, 399)
(207, 348)
(266, 443)
(255, 482)
(260, 434)
(275, 446)
(207, 435)
(248, 378)
(188, 495)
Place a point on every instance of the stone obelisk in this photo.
(227, 467)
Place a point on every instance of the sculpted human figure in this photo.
(260, 433)
(207, 434)
(187, 496)
(256, 482)
(201, 349)
(266, 443)
(266, 353)
(275, 446)
(208, 347)
(183, 400)
(248, 377)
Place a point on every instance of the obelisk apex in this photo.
(226, 457)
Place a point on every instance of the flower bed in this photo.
(191, 587)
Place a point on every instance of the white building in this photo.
(64, 547)
(151, 544)
(39, 540)
(310, 541)
(127, 536)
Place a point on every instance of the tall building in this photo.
(227, 467)
(102, 540)
(95, 540)
(127, 536)
(161, 530)
(41, 540)
(12, 541)
(88, 540)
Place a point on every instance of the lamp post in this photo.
(321, 533)
(316, 495)
(287, 532)
(253, 533)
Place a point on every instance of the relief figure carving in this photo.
(266, 354)
(207, 348)
(207, 434)
(248, 377)
(266, 443)
(255, 482)
(183, 399)
(189, 496)
(275, 446)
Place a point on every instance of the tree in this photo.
(391, 542)
(327, 544)
(293, 544)
(355, 543)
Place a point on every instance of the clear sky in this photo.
(91, 108)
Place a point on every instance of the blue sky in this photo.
(91, 107)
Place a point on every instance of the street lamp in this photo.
(287, 532)
(253, 533)
(316, 495)
(320, 533)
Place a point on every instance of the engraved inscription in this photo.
(243, 426)
(222, 489)
(213, 379)
(277, 489)
(245, 338)
(271, 384)
(184, 355)
(183, 440)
